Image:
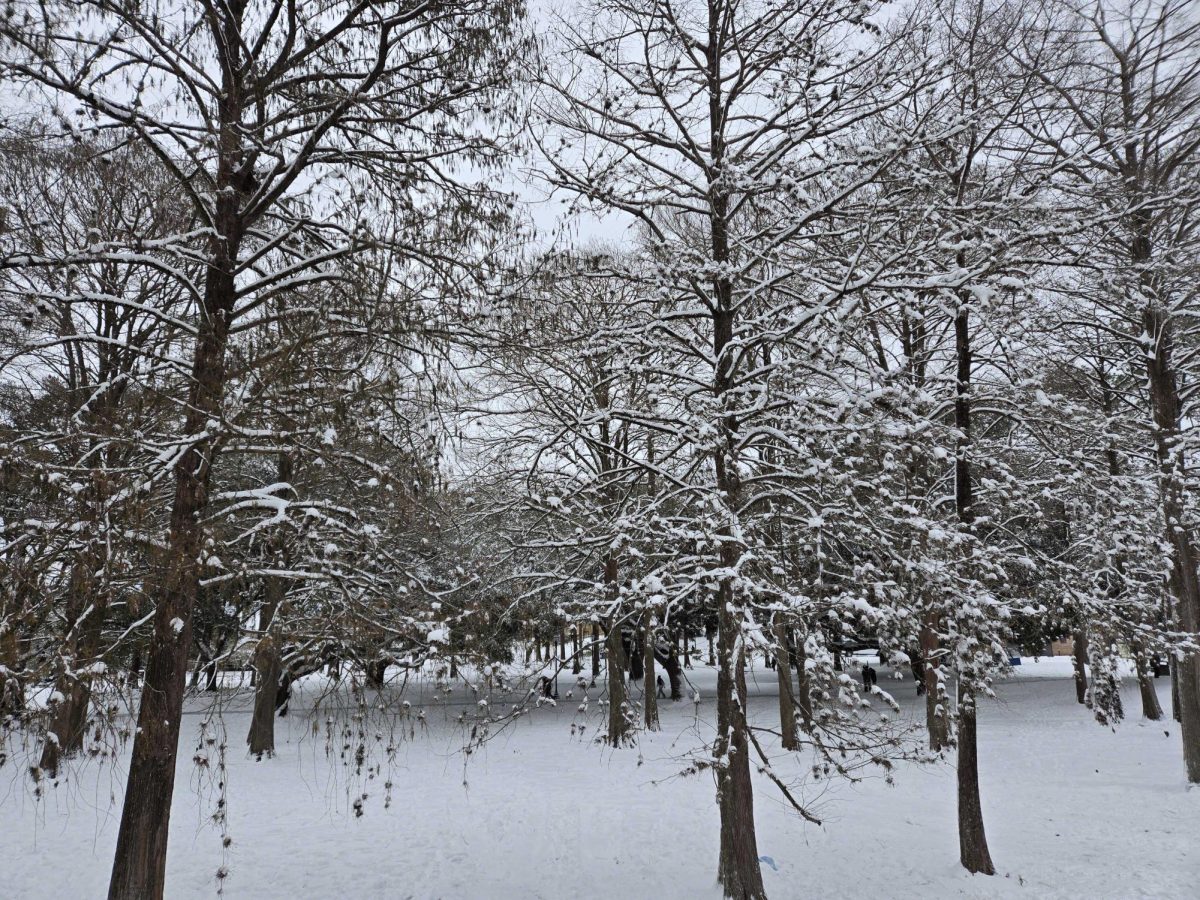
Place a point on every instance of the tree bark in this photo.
(650, 707)
(972, 842)
(1079, 655)
(803, 682)
(937, 700)
(139, 867)
(268, 664)
(595, 636)
(618, 721)
(1151, 709)
(789, 739)
(971, 837)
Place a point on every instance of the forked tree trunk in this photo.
(1079, 655)
(650, 707)
(789, 739)
(972, 842)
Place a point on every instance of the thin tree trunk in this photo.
(595, 636)
(789, 739)
(1079, 655)
(576, 651)
(972, 840)
(650, 707)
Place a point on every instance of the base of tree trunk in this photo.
(972, 841)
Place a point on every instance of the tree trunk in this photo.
(376, 673)
(789, 739)
(1151, 709)
(670, 662)
(595, 636)
(1175, 689)
(576, 651)
(1079, 655)
(651, 681)
(88, 604)
(972, 842)
(618, 721)
(738, 870)
(637, 666)
(937, 700)
(803, 682)
(268, 667)
(1158, 323)
(268, 664)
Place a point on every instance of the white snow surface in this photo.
(1071, 809)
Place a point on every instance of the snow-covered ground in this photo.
(1072, 810)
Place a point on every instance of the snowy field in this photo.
(1072, 810)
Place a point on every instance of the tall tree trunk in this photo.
(972, 842)
(576, 651)
(1158, 325)
(789, 739)
(971, 837)
(650, 706)
(140, 863)
(1079, 653)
